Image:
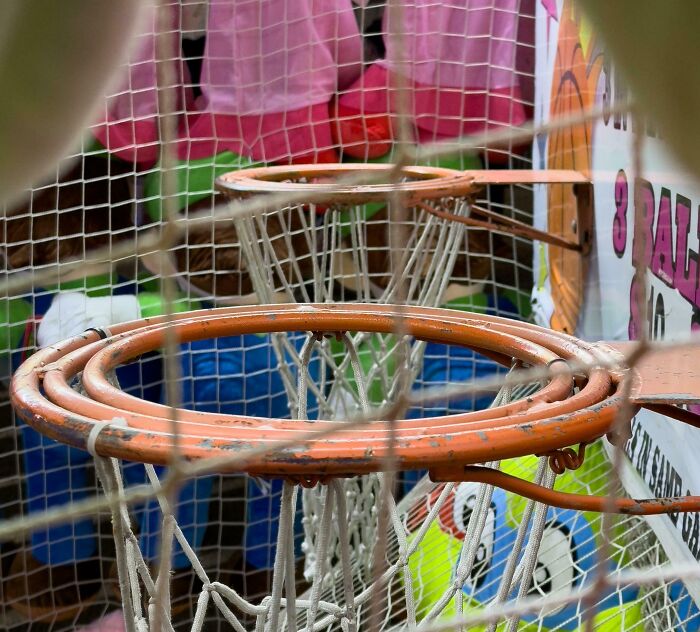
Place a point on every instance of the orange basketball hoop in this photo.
(578, 403)
(324, 183)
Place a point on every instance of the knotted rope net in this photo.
(356, 547)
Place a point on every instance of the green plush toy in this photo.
(195, 181)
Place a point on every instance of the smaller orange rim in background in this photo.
(414, 182)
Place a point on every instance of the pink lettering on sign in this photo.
(662, 258)
(637, 299)
(619, 232)
(644, 237)
(661, 244)
(686, 265)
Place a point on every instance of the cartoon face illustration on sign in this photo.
(566, 555)
(464, 501)
(437, 560)
(556, 568)
(565, 562)
(565, 559)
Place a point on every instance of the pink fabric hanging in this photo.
(129, 125)
(460, 62)
(270, 69)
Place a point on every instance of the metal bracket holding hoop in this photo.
(428, 183)
(483, 218)
(664, 379)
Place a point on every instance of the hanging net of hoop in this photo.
(495, 531)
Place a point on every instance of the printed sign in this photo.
(599, 298)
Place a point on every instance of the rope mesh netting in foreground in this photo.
(94, 245)
(354, 548)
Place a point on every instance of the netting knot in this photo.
(265, 604)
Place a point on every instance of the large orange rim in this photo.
(412, 183)
(552, 419)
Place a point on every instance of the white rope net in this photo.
(93, 245)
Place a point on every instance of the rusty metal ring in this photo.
(56, 385)
(528, 426)
(415, 182)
